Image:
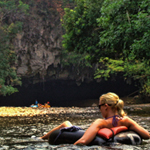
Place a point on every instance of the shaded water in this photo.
(16, 132)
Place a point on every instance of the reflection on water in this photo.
(18, 136)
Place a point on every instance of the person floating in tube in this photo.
(111, 108)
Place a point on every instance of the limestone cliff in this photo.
(38, 46)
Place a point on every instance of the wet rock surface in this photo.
(16, 131)
(138, 109)
(30, 112)
(17, 115)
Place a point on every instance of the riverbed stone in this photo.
(21, 128)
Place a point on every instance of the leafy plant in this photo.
(10, 25)
(81, 28)
(124, 40)
(113, 33)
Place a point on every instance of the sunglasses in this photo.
(100, 106)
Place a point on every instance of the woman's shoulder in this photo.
(125, 117)
(125, 121)
(101, 122)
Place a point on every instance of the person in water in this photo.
(111, 108)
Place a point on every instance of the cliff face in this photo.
(38, 46)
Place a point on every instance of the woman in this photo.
(111, 108)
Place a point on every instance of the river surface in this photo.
(16, 132)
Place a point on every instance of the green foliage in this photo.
(138, 70)
(115, 34)
(125, 40)
(8, 76)
(13, 6)
(10, 25)
(79, 61)
(82, 31)
(126, 27)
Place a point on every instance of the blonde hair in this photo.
(113, 100)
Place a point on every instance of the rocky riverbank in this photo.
(27, 115)
(31, 112)
(18, 124)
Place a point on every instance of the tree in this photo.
(125, 40)
(81, 28)
(113, 33)
(10, 25)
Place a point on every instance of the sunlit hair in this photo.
(113, 100)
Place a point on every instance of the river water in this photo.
(16, 132)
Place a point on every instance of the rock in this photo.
(94, 105)
(138, 108)
(131, 109)
(38, 47)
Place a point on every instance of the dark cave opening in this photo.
(64, 93)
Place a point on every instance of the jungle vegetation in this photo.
(115, 34)
(10, 25)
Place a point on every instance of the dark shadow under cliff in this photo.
(64, 92)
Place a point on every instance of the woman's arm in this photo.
(132, 125)
(91, 132)
(64, 124)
